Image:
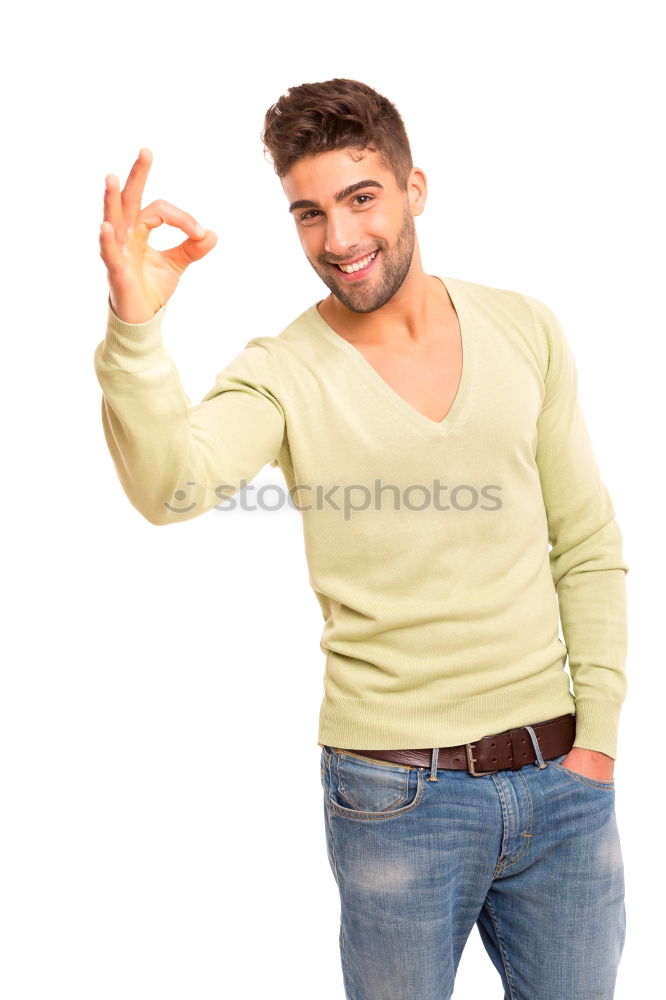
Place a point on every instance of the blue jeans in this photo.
(532, 857)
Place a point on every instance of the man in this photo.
(430, 432)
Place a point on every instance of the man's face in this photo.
(376, 217)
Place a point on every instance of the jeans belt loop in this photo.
(434, 760)
(539, 762)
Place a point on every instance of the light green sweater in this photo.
(438, 552)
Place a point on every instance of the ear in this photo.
(417, 190)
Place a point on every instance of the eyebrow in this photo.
(340, 196)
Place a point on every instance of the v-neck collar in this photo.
(459, 406)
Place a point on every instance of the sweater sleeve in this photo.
(175, 461)
(586, 558)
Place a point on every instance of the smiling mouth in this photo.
(358, 265)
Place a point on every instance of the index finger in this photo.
(132, 193)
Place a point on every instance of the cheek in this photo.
(383, 226)
(312, 245)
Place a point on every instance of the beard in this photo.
(392, 269)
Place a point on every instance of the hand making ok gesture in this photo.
(142, 279)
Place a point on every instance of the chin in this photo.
(358, 307)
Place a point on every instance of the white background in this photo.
(161, 831)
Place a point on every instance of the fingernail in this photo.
(199, 230)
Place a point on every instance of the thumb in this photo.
(191, 249)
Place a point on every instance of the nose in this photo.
(341, 236)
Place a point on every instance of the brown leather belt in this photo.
(511, 749)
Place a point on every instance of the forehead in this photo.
(321, 176)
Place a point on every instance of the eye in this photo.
(313, 212)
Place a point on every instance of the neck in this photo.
(420, 303)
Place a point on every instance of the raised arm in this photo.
(174, 461)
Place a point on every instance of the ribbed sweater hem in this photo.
(397, 723)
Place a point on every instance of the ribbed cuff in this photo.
(597, 722)
(132, 347)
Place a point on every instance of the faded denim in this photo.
(532, 857)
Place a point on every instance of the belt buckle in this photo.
(472, 760)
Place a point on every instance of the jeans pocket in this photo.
(582, 778)
(366, 788)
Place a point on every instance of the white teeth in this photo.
(350, 268)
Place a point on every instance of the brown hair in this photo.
(337, 114)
